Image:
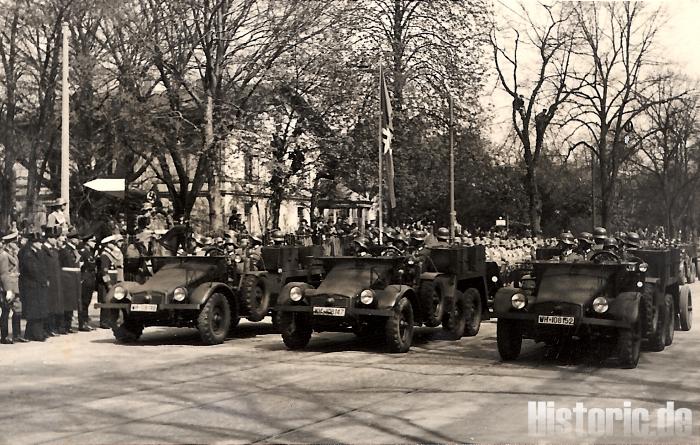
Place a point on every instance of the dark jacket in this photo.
(70, 277)
(53, 273)
(33, 283)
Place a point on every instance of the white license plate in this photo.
(556, 319)
(332, 311)
(144, 307)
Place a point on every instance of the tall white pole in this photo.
(65, 129)
(381, 155)
(453, 214)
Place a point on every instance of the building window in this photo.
(252, 168)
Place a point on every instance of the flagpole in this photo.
(65, 126)
(381, 155)
(453, 215)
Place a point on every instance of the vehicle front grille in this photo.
(330, 301)
(553, 308)
(148, 298)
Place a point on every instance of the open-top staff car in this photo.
(605, 299)
(278, 265)
(369, 295)
(184, 291)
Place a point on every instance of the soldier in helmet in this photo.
(585, 244)
(277, 237)
(443, 237)
(360, 246)
(566, 244)
(599, 237)
(610, 245)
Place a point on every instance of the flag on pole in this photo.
(387, 135)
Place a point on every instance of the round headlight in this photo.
(640, 284)
(643, 267)
(494, 279)
(119, 293)
(600, 304)
(237, 259)
(279, 270)
(411, 262)
(296, 293)
(367, 296)
(180, 294)
(518, 301)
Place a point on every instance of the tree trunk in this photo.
(215, 203)
(534, 200)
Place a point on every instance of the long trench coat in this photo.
(33, 284)
(69, 258)
(53, 273)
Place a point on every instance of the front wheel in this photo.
(455, 321)
(214, 320)
(657, 338)
(399, 327)
(670, 326)
(685, 307)
(295, 328)
(629, 344)
(255, 298)
(128, 332)
(509, 338)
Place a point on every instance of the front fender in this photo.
(200, 294)
(283, 298)
(502, 301)
(625, 306)
(391, 294)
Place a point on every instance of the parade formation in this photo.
(613, 291)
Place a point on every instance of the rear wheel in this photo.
(474, 319)
(685, 307)
(255, 298)
(455, 321)
(295, 328)
(431, 295)
(509, 338)
(629, 344)
(214, 320)
(671, 315)
(657, 338)
(398, 330)
(648, 310)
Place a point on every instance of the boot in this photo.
(17, 329)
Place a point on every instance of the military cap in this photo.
(256, 239)
(10, 237)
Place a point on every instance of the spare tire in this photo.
(431, 299)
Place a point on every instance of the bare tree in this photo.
(555, 81)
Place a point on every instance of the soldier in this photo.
(277, 237)
(9, 278)
(88, 268)
(69, 257)
(610, 244)
(443, 237)
(599, 237)
(585, 243)
(52, 264)
(33, 286)
(110, 271)
(360, 246)
(566, 245)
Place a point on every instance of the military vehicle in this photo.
(619, 301)
(389, 296)
(184, 291)
(276, 266)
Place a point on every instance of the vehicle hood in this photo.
(576, 284)
(172, 276)
(350, 279)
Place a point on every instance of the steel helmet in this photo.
(610, 243)
(567, 238)
(586, 237)
(443, 234)
(600, 234)
(633, 240)
(277, 236)
(361, 241)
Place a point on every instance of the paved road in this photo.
(168, 388)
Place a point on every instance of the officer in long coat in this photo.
(33, 286)
(110, 271)
(54, 325)
(69, 257)
(9, 277)
(88, 268)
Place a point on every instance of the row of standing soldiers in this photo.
(46, 277)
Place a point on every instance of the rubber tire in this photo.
(217, 306)
(685, 307)
(473, 322)
(629, 344)
(455, 321)
(430, 292)
(648, 310)
(692, 275)
(128, 332)
(509, 338)
(295, 328)
(398, 330)
(253, 290)
(671, 314)
(235, 316)
(656, 341)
